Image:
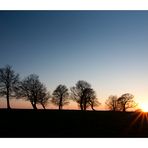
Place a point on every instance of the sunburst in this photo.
(144, 107)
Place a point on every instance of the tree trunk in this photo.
(92, 107)
(81, 104)
(60, 104)
(8, 103)
(124, 109)
(84, 105)
(43, 106)
(60, 107)
(114, 108)
(33, 105)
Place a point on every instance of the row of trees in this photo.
(31, 89)
(122, 103)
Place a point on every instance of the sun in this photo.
(144, 107)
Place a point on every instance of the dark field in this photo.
(69, 123)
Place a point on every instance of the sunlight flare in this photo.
(144, 107)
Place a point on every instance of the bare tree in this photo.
(84, 95)
(43, 98)
(90, 99)
(32, 89)
(112, 103)
(8, 82)
(126, 101)
(78, 93)
(60, 96)
(94, 103)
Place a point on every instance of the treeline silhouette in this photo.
(32, 89)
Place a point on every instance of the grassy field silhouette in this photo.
(72, 123)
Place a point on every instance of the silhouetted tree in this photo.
(43, 98)
(112, 103)
(32, 89)
(60, 96)
(78, 92)
(126, 101)
(90, 99)
(94, 103)
(84, 95)
(8, 82)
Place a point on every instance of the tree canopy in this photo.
(32, 89)
(84, 95)
(60, 96)
(126, 101)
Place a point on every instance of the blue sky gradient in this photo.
(109, 49)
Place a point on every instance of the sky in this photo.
(108, 49)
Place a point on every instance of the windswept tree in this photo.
(112, 103)
(32, 89)
(90, 99)
(78, 93)
(84, 95)
(94, 103)
(43, 98)
(8, 83)
(126, 101)
(60, 96)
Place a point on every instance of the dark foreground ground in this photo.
(68, 123)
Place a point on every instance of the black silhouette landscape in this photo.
(72, 123)
(73, 74)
